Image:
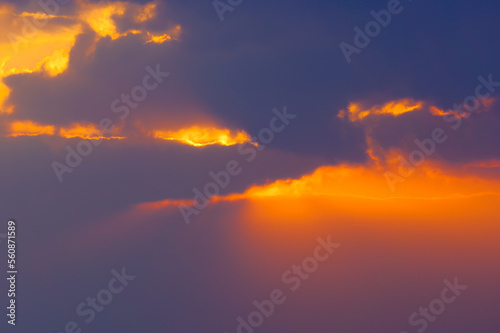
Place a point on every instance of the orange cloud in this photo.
(441, 113)
(195, 136)
(203, 136)
(29, 128)
(46, 47)
(362, 190)
(146, 13)
(379, 157)
(99, 16)
(431, 182)
(173, 33)
(356, 111)
(42, 16)
(56, 63)
(485, 106)
(85, 131)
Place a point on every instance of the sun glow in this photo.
(203, 136)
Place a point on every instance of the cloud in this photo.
(355, 111)
(203, 136)
(45, 40)
(29, 128)
(393, 127)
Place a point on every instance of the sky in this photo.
(251, 166)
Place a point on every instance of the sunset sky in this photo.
(254, 166)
